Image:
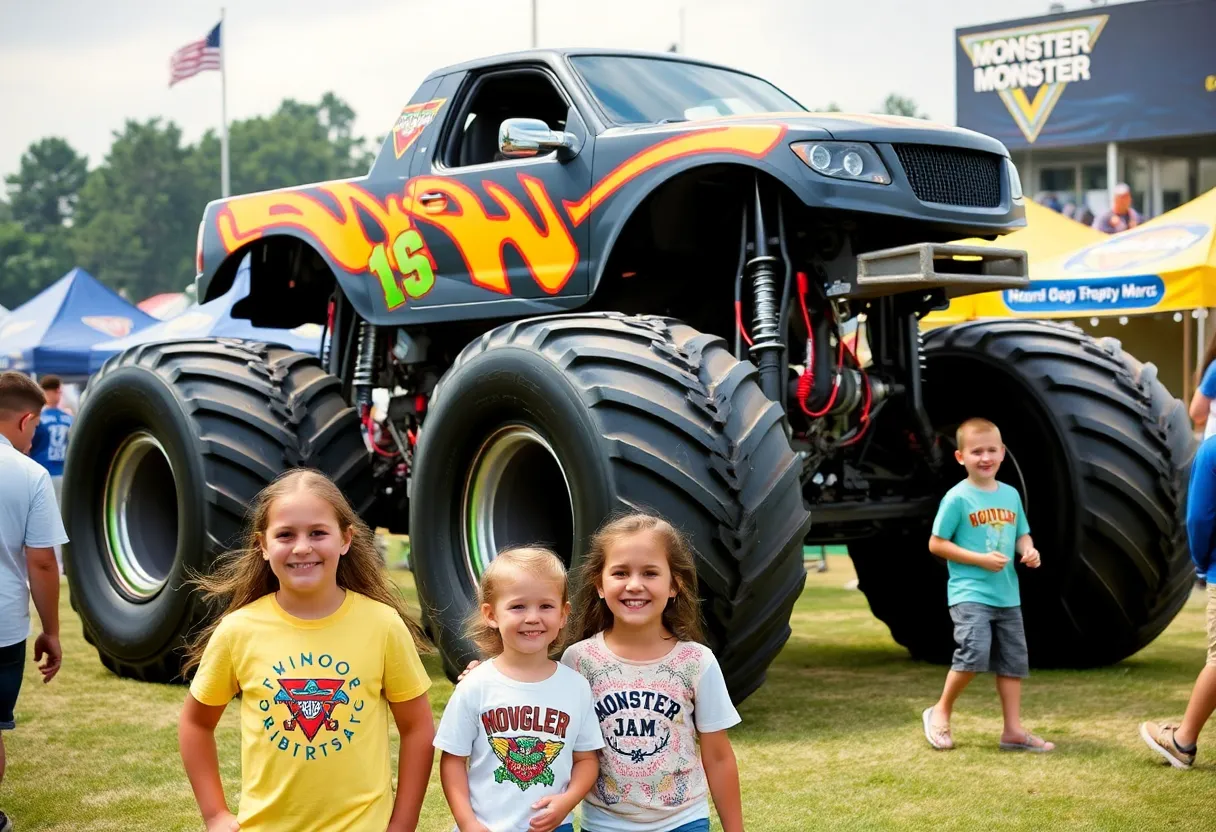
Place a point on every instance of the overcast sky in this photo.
(78, 69)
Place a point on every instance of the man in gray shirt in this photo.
(30, 528)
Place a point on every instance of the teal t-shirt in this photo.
(982, 521)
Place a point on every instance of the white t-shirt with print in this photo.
(650, 714)
(520, 738)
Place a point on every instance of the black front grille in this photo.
(951, 175)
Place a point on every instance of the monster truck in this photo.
(596, 281)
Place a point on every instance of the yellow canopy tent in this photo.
(1047, 235)
(1163, 265)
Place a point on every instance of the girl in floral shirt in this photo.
(659, 694)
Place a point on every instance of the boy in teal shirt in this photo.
(980, 527)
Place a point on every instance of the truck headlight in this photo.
(1015, 181)
(843, 160)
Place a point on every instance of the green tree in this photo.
(133, 220)
(30, 261)
(339, 120)
(138, 214)
(898, 105)
(297, 144)
(43, 191)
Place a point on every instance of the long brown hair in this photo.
(681, 615)
(538, 562)
(242, 576)
(1209, 355)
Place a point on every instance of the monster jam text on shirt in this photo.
(650, 714)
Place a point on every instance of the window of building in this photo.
(1207, 174)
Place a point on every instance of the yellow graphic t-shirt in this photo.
(314, 710)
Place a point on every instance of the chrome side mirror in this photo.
(521, 138)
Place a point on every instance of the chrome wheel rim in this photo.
(516, 493)
(140, 516)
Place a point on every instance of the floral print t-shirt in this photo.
(650, 713)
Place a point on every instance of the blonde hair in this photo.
(242, 576)
(681, 615)
(975, 425)
(538, 562)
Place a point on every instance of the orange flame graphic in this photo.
(748, 140)
(342, 236)
(548, 249)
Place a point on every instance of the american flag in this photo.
(196, 57)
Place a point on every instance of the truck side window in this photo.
(522, 93)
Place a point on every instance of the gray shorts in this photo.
(990, 638)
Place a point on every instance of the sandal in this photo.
(938, 737)
(1033, 744)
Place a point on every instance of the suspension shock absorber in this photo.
(916, 364)
(766, 346)
(920, 352)
(365, 366)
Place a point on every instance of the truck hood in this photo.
(861, 127)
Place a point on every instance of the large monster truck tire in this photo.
(544, 428)
(1101, 453)
(172, 443)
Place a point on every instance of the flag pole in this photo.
(223, 109)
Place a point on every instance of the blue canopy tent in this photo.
(54, 331)
(213, 319)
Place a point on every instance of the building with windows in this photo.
(1091, 97)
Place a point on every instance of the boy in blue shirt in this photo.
(50, 446)
(1176, 742)
(979, 528)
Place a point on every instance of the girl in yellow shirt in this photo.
(316, 640)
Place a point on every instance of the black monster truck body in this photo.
(600, 281)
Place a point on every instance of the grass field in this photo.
(832, 741)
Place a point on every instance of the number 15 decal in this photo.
(414, 275)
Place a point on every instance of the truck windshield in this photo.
(648, 90)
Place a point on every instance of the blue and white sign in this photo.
(1082, 296)
(1134, 71)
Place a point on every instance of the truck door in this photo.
(496, 228)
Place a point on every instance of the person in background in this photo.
(1121, 216)
(50, 446)
(1205, 390)
(1177, 742)
(29, 526)
(980, 528)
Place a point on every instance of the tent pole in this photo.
(1186, 357)
(1201, 343)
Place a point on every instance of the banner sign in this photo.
(1088, 285)
(1136, 71)
(1084, 296)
